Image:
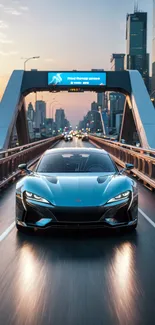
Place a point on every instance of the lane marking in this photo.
(146, 217)
(7, 231)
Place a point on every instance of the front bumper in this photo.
(40, 215)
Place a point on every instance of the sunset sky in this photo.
(66, 34)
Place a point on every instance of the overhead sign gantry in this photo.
(139, 113)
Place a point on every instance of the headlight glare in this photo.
(28, 194)
(35, 197)
(119, 197)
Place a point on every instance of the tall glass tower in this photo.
(136, 44)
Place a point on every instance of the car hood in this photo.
(76, 189)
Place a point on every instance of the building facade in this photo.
(117, 61)
(30, 112)
(116, 103)
(137, 57)
(40, 113)
(60, 118)
(100, 100)
(94, 106)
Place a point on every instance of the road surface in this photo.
(77, 278)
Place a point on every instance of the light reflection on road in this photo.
(31, 281)
(122, 284)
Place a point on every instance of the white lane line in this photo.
(146, 217)
(7, 231)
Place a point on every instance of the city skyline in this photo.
(61, 49)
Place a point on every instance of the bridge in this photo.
(139, 111)
(78, 278)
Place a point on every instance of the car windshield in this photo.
(69, 162)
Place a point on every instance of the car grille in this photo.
(77, 215)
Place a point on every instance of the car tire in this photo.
(24, 229)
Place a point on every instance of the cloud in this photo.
(1, 6)
(10, 53)
(4, 40)
(3, 25)
(24, 8)
(49, 60)
(12, 11)
(2, 35)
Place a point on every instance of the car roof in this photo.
(75, 150)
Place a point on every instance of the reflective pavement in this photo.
(80, 277)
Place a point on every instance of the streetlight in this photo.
(54, 102)
(28, 59)
(100, 112)
(51, 106)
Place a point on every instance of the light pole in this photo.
(28, 59)
(55, 102)
(100, 112)
(51, 106)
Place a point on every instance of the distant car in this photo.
(85, 137)
(79, 135)
(76, 188)
(68, 137)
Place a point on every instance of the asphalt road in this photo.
(77, 278)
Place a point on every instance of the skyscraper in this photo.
(116, 101)
(40, 113)
(93, 106)
(30, 112)
(153, 52)
(136, 44)
(100, 100)
(60, 118)
(115, 108)
(117, 62)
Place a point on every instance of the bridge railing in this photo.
(11, 151)
(142, 159)
(10, 159)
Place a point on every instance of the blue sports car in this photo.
(76, 188)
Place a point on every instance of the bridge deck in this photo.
(87, 278)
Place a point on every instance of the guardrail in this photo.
(151, 152)
(11, 151)
(24, 154)
(142, 159)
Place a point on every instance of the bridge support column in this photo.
(21, 125)
(128, 128)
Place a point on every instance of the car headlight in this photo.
(35, 197)
(119, 197)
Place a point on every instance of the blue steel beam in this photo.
(128, 82)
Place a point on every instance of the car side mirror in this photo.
(129, 166)
(23, 167)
